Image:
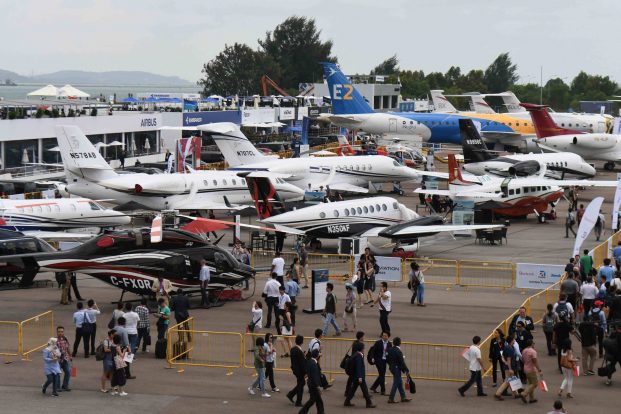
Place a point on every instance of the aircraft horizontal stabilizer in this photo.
(511, 138)
(351, 188)
(58, 235)
(433, 192)
(290, 230)
(413, 230)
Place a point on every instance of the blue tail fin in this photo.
(345, 98)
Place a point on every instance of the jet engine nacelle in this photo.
(595, 141)
(164, 184)
(524, 168)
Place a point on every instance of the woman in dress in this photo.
(369, 279)
(118, 378)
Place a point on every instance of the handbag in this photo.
(411, 385)
(345, 359)
(566, 363)
(119, 363)
(112, 322)
(515, 383)
(606, 369)
(147, 339)
(87, 325)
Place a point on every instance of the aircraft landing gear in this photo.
(609, 166)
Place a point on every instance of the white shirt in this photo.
(204, 275)
(314, 344)
(588, 291)
(271, 288)
(474, 354)
(91, 315)
(282, 299)
(257, 317)
(616, 282)
(386, 303)
(131, 322)
(279, 266)
(570, 308)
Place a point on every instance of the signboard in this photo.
(389, 268)
(258, 115)
(320, 279)
(537, 276)
(286, 114)
(302, 112)
(208, 117)
(463, 213)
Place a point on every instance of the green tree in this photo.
(452, 76)
(296, 47)
(388, 67)
(237, 69)
(474, 81)
(436, 80)
(556, 94)
(413, 84)
(501, 74)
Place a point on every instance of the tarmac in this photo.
(453, 316)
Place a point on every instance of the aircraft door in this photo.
(392, 124)
(504, 186)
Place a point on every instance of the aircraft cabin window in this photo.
(517, 191)
(215, 182)
(525, 190)
(235, 182)
(377, 207)
(563, 124)
(359, 209)
(446, 123)
(243, 181)
(511, 192)
(533, 189)
(48, 209)
(370, 167)
(384, 207)
(395, 206)
(404, 122)
(411, 122)
(357, 168)
(538, 188)
(366, 209)
(352, 211)
(371, 209)
(94, 206)
(224, 182)
(322, 215)
(569, 124)
(205, 183)
(346, 212)
(591, 125)
(364, 168)
(336, 213)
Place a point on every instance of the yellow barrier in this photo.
(439, 362)
(36, 331)
(174, 334)
(10, 338)
(486, 274)
(440, 271)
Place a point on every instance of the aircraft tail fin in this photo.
(544, 124)
(480, 106)
(345, 97)
(267, 202)
(454, 170)
(232, 143)
(511, 102)
(80, 158)
(473, 147)
(441, 103)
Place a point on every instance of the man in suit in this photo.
(358, 373)
(298, 367)
(314, 385)
(396, 362)
(378, 355)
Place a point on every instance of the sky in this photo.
(178, 37)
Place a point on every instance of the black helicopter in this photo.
(129, 260)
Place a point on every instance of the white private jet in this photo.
(591, 146)
(478, 160)
(350, 174)
(89, 175)
(386, 223)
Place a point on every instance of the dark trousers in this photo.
(279, 315)
(600, 341)
(315, 398)
(204, 294)
(475, 376)
(588, 304)
(74, 285)
(363, 387)
(384, 320)
(495, 362)
(572, 298)
(272, 305)
(92, 337)
(349, 385)
(127, 370)
(549, 344)
(269, 373)
(381, 378)
(569, 228)
(161, 330)
(298, 390)
(76, 342)
(142, 337)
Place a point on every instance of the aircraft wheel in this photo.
(401, 192)
(247, 293)
(609, 166)
(542, 218)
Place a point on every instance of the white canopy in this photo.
(49, 90)
(69, 91)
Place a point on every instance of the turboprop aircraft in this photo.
(89, 175)
(386, 223)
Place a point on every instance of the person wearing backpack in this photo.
(357, 374)
(599, 319)
(549, 319)
(588, 336)
(109, 351)
(397, 365)
(562, 306)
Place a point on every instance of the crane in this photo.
(265, 80)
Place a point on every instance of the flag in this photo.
(617, 203)
(588, 222)
(156, 229)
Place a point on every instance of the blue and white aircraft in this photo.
(352, 111)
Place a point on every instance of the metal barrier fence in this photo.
(337, 264)
(35, 332)
(486, 274)
(10, 338)
(604, 249)
(441, 272)
(440, 362)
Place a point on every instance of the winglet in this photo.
(455, 177)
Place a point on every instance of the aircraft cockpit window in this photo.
(396, 164)
(511, 192)
(395, 205)
(518, 191)
(384, 207)
(538, 188)
(336, 213)
(322, 215)
(364, 168)
(525, 190)
(94, 206)
(533, 189)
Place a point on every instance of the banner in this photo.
(617, 203)
(320, 279)
(588, 222)
(302, 112)
(537, 276)
(286, 114)
(389, 268)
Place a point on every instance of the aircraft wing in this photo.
(414, 229)
(570, 183)
(434, 192)
(335, 119)
(463, 194)
(545, 148)
(442, 175)
(348, 187)
(202, 205)
(58, 235)
(514, 138)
